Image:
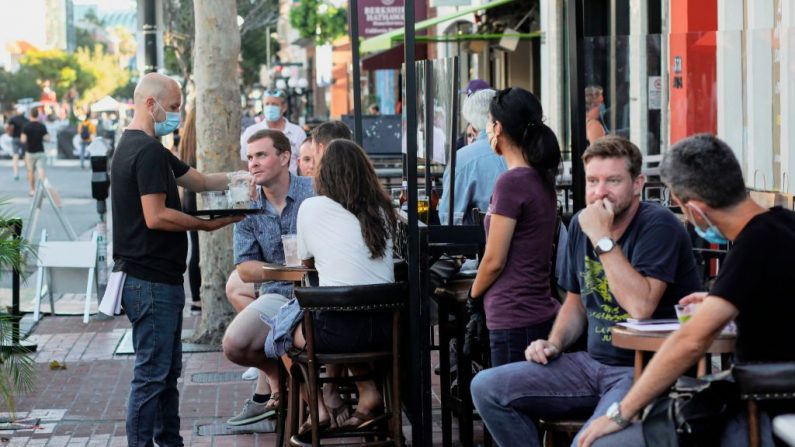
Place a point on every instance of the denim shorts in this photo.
(345, 332)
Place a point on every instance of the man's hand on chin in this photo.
(595, 430)
(596, 219)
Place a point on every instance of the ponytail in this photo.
(541, 149)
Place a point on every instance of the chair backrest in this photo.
(353, 298)
(765, 381)
(71, 254)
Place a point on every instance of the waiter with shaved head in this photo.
(149, 248)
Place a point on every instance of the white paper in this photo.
(111, 301)
(646, 327)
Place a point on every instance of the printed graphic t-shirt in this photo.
(657, 246)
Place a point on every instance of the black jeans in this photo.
(194, 273)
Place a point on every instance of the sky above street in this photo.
(26, 22)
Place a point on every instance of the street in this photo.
(72, 184)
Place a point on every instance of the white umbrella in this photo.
(106, 104)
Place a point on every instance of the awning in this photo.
(384, 41)
(392, 59)
(469, 37)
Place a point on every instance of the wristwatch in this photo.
(604, 245)
(614, 414)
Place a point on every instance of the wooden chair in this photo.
(365, 298)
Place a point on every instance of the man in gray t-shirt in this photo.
(624, 259)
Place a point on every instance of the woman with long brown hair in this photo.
(346, 233)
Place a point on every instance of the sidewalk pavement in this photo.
(85, 403)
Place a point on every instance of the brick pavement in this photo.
(85, 404)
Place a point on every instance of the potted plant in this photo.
(16, 367)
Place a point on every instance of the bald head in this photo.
(155, 85)
(155, 96)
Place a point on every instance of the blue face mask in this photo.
(712, 234)
(602, 109)
(169, 125)
(272, 113)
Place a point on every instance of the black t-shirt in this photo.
(18, 122)
(35, 132)
(141, 166)
(756, 278)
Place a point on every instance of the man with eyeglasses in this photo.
(274, 104)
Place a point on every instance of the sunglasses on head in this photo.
(276, 93)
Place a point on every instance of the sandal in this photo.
(339, 414)
(306, 427)
(363, 421)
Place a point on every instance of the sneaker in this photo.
(251, 374)
(253, 412)
(195, 310)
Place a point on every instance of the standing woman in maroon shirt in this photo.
(513, 276)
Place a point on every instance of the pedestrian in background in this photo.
(33, 136)
(87, 130)
(14, 129)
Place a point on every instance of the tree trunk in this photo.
(217, 141)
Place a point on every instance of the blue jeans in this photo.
(155, 311)
(83, 146)
(508, 345)
(511, 397)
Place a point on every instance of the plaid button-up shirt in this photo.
(258, 237)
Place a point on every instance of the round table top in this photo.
(651, 341)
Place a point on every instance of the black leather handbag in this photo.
(693, 413)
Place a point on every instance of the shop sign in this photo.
(379, 16)
(655, 92)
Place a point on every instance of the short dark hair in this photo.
(613, 146)
(331, 130)
(703, 167)
(34, 113)
(280, 141)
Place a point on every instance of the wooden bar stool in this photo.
(361, 299)
(763, 382)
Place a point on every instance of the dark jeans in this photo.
(508, 345)
(511, 397)
(155, 311)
